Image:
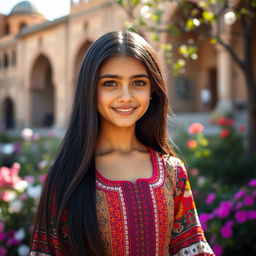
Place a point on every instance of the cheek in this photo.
(103, 102)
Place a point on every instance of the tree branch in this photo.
(231, 51)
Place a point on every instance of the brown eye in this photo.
(110, 83)
(139, 83)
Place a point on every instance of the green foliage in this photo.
(223, 157)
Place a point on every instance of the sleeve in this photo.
(187, 236)
(45, 243)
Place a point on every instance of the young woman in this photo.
(116, 187)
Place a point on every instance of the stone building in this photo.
(40, 60)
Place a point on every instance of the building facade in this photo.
(40, 60)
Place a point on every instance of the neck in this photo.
(119, 139)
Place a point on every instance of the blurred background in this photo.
(207, 50)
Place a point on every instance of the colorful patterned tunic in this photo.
(152, 217)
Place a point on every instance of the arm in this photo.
(187, 237)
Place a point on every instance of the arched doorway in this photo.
(8, 114)
(42, 93)
(78, 60)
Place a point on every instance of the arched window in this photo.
(6, 60)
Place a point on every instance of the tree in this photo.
(208, 18)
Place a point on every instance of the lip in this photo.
(124, 110)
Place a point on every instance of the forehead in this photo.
(122, 64)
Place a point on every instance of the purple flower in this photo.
(12, 241)
(226, 231)
(212, 239)
(204, 217)
(251, 214)
(217, 249)
(241, 216)
(2, 236)
(240, 194)
(248, 200)
(252, 183)
(3, 251)
(210, 198)
(229, 223)
(254, 193)
(224, 209)
(239, 205)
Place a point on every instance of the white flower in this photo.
(20, 234)
(201, 181)
(15, 206)
(21, 185)
(145, 12)
(23, 250)
(34, 191)
(229, 18)
(8, 148)
(27, 133)
(42, 164)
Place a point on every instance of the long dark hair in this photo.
(70, 183)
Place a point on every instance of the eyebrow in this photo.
(120, 77)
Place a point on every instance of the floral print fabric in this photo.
(152, 217)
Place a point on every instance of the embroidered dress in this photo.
(152, 217)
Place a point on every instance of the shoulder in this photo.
(175, 172)
(174, 164)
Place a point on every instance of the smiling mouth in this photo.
(125, 111)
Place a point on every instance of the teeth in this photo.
(124, 110)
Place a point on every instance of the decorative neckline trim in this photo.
(155, 180)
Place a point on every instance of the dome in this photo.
(24, 7)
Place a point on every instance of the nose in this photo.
(125, 94)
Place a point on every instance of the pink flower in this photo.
(195, 128)
(42, 178)
(248, 200)
(36, 136)
(23, 197)
(224, 209)
(194, 172)
(217, 249)
(9, 176)
(251, 214)
(8, 196)
(241, 216)
(226, 231)
(30, 179)
(224, 133)
(191, 144)
(210, 198)
(3, 251)
(252, 183)
(241, 128)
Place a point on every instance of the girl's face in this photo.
(123, 91)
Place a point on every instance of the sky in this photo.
(51, 9)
